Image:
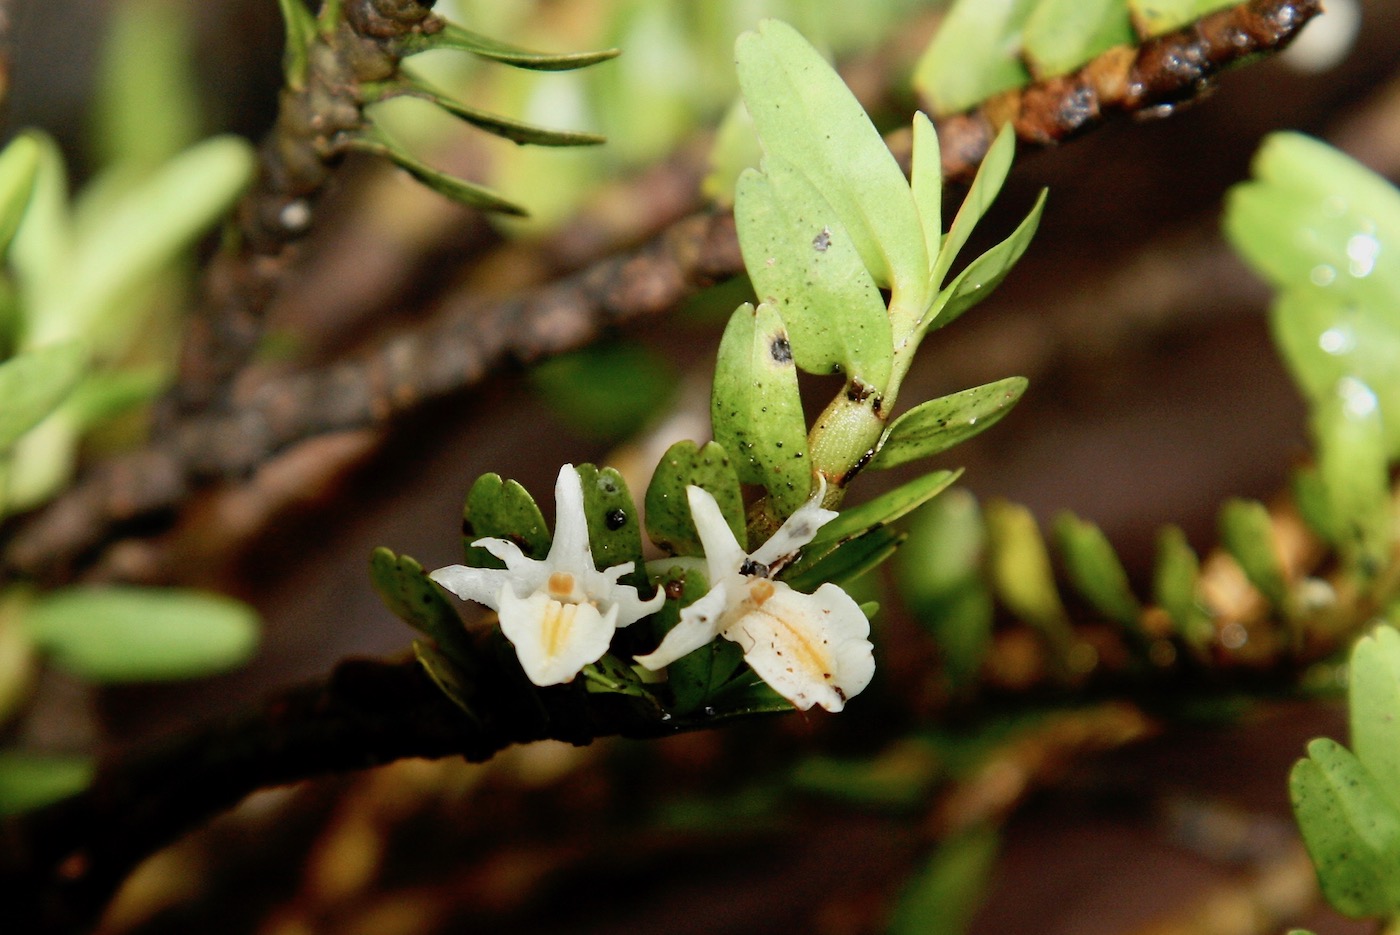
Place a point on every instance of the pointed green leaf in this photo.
(455, 37)
(411, 595)
(614, 526)
(1020, 570)
(939, 424)
(1355, 477)
(1061, 35)
(300, 34)
(926, 182)
(136, 236)
(1374, 698)
(611, 676)
(30, 780)
(986, 272)
(445, 675)
(1352, 831)
(1311, 498)
(755, 408)
(19, 167)
(34, 383)
(974, 55)
(945, 551)
(502, 509)
(516, 131)
(808, 118)
(991, 175)
(1156, 17)
(848, 561)
(802, 261)
(941, 898)
(1094, 570)
(1174, 579)
(1248, 534)
(373, 140)
(135, 634)
(669, 523)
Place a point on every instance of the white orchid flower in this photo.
(559, 613)
(811, 648)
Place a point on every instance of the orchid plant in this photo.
(849, 261)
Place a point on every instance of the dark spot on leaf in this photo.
(781, 349)
(822, 241)
(615, 519)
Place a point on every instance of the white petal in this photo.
(811, 648)
(570, 550)
(699, 624)
(723, 554)
(554, 640)
(626, 598)
(799, 529)
(527, 573)
(472, 584)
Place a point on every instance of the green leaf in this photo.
(669, 523)
(373, 140)
(1374, 697)
(939, 424)
(735, 149)
(926, 182)
(1094, 570)
(608, 390)
(847, 562)
(19, 167)
(447, 676)
(137, 235)
(1311, 498)
(991, 175)
(941, 898)
(502, 509)
(30, 780)
(34, 383)
(986, 272)
(412, 596)
(755, 408)
(696, 677)
(300, 34)
(1061, 35)
(802, 262)
(808, 118)
(902, 776)
(1174, 579)
(614, 526)
(1248, 534)
(974, 55)
(1155, 17)
(455, 37)
(134, 634)
(1355, 478)
(1351, 829)
(517, 131)
(1020, 569)
(611, 676)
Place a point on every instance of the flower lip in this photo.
(560, 612)
(811, 648)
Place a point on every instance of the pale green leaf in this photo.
(939, 424)
(755, 408)
(975, 54)
(1093, 568)
(986, 185)
(1061, 35)
(806, 117)
(1351, 462)
(1155, 17)
(926, 182)
(1248, 534)
(34, 383)
(1374, 698)
(1021, 573)
(455, 37)
(130, 634)
(19, 168)
(1351, 829)
(300, 28)
(986, 272)
(1174, 578)
(803, 262)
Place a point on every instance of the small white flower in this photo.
(811, 648)
(559, 613)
